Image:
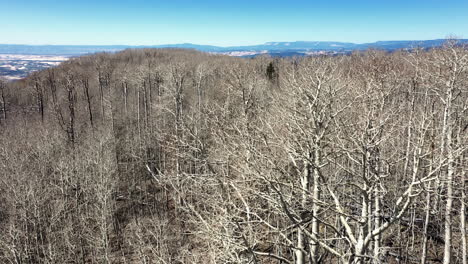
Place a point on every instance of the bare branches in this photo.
(184, 157)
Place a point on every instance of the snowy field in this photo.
(17, 66)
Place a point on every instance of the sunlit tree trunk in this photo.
(448, 125)
(300, 259)
(315, 206)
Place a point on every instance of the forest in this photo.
(179, 156)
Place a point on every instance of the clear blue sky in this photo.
(226, 23)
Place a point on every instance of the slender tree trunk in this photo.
(40, 99)
(463, 221)
(88, 101)
(315, 207)
(145, 104)
(125, 92)
(448, 123)
(429, 195)
(463, 231)
(4, 110)
(449, 204)
(426, 224)
(101, 94)
(360, 247)
(377, 224)
(150, 94)
(138, 114)
(71, 108)
(300, 259)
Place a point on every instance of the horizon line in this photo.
(221, 46)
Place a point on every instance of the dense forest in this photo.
(178, 156)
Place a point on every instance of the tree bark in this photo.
(315, 207)
(300, 259)
(450, 173)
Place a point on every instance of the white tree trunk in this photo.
(463, 220)
(426, 224)
(315, 207)
(449, 181)
(448, 208)
(377, 225)
(300, 235)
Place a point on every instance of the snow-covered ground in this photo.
(12, 78)
(242, 53)
(6, 57)
(17, 66)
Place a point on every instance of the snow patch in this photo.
(33, 57)
(243, 53)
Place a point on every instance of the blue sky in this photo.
(227, 23)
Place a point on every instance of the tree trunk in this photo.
(71, 108)
(463, 213)
(40, 99)
(428, 196)
(426, 225)
(449, 181)
(463, 223)
(305, 189)
(101, 94)
(449, 204)
(88, 101)
(377, 225)
(3, 102)
(315, 206)
(125, 91)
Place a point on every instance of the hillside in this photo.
(180, 156)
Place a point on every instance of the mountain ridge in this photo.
(298, 46)
(17, 60)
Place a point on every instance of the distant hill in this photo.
(296, 47)
(17, 61)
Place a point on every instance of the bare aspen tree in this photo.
(451, 63)
(315, 86)
(184, 157)
(463, 200)
(125, 92)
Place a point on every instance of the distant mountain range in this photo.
(273, 48)
(17, 61)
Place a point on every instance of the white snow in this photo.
(32, 57)
(54, 63)
(243, 53)
(11, 78)
(11, 67)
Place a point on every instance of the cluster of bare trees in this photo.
(175, 156)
